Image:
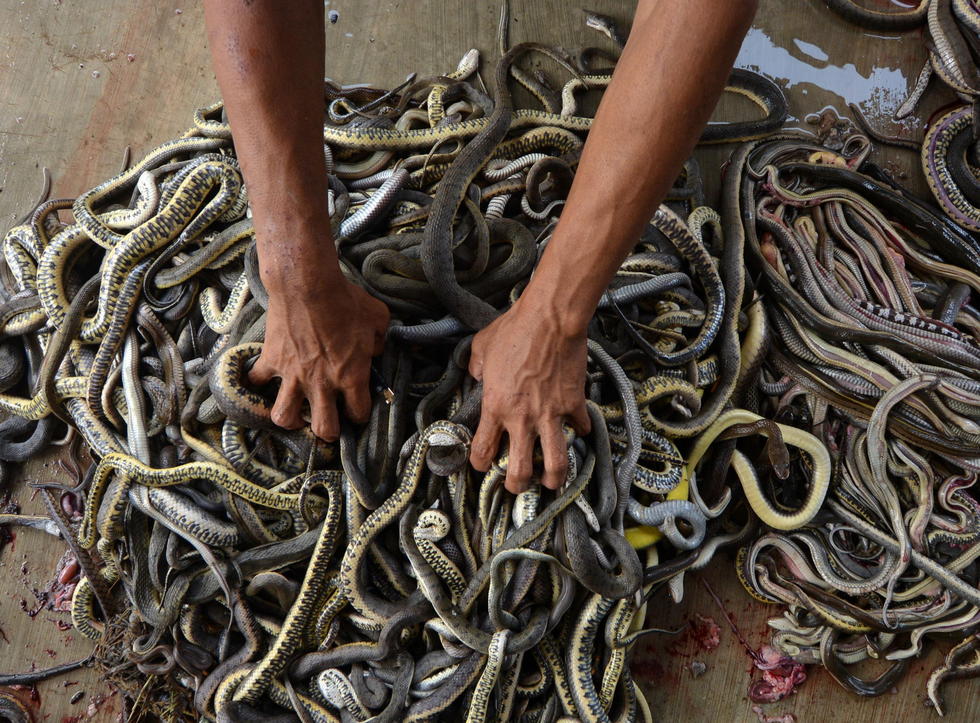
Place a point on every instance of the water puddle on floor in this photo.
(805, 68)
(822, 60)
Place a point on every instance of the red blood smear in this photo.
(781, 675)
(31, 613)
(706, 632)
(62, 625)
(648, 669)
(763, 718)
(702, 634)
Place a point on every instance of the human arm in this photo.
(321, 330)
(532, 359)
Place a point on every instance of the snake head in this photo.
(432, 525)
(449, 447)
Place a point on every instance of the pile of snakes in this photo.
(796, 377)
(953, 30)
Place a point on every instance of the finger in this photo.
(357, 400)
(289, 404)
(261, 373)
(581, 422)
(520, 446)
(485, 443)
(476, 362)
(324, 420)
(555, 454)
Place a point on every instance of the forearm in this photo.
(268, 58)
(665, 86)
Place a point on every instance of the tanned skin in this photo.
(322, 330)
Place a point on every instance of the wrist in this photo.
(575, 270)
(291, 219)
(300, 269)
(547, 303)
(564, 291)
(303, 286)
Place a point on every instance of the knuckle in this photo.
(490, 409)
(484, 436)
(361, 407)
(478, 463)
(556, 464)
(358, 398)
(354, 378)
(319, 380)
(325, 432)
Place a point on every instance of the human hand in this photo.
(319, 341)
(533, 373)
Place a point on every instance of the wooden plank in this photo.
(662, 666)
(80, 81)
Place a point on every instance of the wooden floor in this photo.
(79, 81)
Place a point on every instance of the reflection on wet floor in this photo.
(823, 63)
(805, 68)
(821, 60)
(808, 49)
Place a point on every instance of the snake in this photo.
(885, 20)
(955, 190)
